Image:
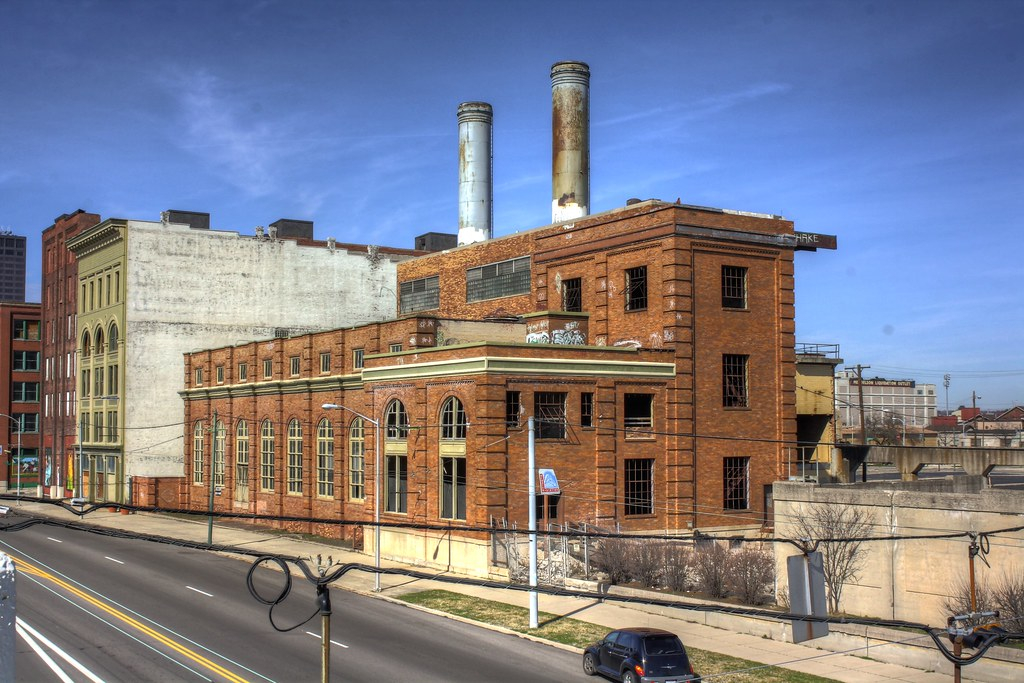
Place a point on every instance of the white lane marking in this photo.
(60, 653)
(47, 659)
(333, 642)
(112, 559)
(209, 595)
(129, 610)
(55, 540)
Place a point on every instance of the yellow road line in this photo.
(199, 659)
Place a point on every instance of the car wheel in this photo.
(589, 665)
(629, 677)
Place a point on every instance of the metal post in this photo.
(323, 596)
(213, 454)
(532, 488)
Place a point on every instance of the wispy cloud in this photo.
(218, 129)
(702, 108)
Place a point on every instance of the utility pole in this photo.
(974, 400)
(860, 408)
(945, 383)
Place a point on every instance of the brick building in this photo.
(19, 402)
(653, 344)
(59, 347)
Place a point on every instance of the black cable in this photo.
(285, 591)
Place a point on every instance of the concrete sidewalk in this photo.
(840, 667)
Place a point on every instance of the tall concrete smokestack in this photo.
(475, 187)
(570, 141)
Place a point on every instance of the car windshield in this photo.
(663, 645)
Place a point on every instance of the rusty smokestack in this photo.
(475, 187)
(570, 141)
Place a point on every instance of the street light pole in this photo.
(376, 486)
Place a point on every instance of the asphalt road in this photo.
(109, 609)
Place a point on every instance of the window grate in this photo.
(734, 287)
(639, 481)
(734, 381)
(736, 481)
(636, 288)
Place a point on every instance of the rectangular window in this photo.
(26, 361)
(27, 422)
(26, 329)
(219, 439)
(736, 482)
(112, 426)
(395, 348)
(97, 426)
(586, 409)
(572, 294)
(549, 409)
(325, 363)
(357, 358)
(638, 416)
(293, 365)
(325, 463)
(639, 481)
(220, 374)
(112, 386)
(83, 427)
(420, 295)
(397, 477)
(86, 383)
(198, 454)
(513, 409)
(243, 372)
(734, 381)
(453, 488)
(268, 368)
(25, 392)
(636, 288)
(495, 280)
(294, 460)
(546, 508)
(199, 377)
(97, 383)
(734, 287)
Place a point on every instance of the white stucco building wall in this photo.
(189, 289)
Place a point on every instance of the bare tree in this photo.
(839, 531)
(883, 429)
(710, 569)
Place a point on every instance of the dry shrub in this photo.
(614, 557)
(751, 575)
(678, 576)
(710, 568)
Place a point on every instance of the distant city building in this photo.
(19, 401)
(151, 291)
(59, 346)
(903, 399)
(12, 267)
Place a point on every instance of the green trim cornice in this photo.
(521, 366)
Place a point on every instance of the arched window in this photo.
(267, 456)
(356, 460)
(396, 459)
(99, 348)
(198, 448)
(453, 460)
(86, 344)
(294, 457)
(397, 421)
(242, 456)
(112, 338)
(453, 420)
(325, 459)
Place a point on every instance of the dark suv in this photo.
(640, 655)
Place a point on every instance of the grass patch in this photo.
(579, 634)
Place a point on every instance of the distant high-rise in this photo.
(12, 267)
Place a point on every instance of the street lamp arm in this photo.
(338, 406)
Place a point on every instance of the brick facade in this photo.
(59, 301)
(659, 435)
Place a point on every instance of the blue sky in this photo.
(897, 126)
